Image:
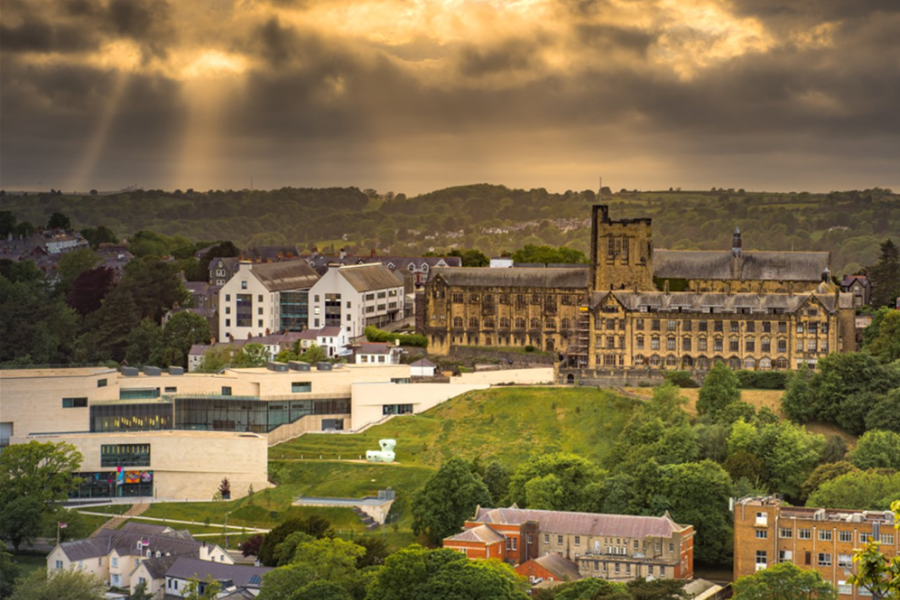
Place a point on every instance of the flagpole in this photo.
(57, 533)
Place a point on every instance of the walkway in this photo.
(117, 520)
(175, 522)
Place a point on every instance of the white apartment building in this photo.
(354, 296)
(262, 299)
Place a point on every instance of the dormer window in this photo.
(424, 267)
(412, 268)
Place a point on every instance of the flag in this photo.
(62, 525)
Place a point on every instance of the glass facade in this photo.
(235, 413)
(113, 484)
(139, 394)
(332, 310)
(245, 310)
(131, 417)
(294, 310)
(125, 455)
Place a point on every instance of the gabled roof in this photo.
(720, 302)
(367, 278)
(562, 569)
(850, 279)
(240, 575)
(287, 275)
(537, 277)
(482, 533)
(595, 524)
(715, 264)
(157, 567)
(313, 334)
(124, 541)
(423, 362)
(375, 348)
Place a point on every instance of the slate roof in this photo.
(272, 253)
(287, 275)
(561, 522)
(423, 362)
(313, 334)
(715, 264)
(375, 348)
(240, 575)
(562, 568)
(525, 277)
(367, 278)
(124, 541)
(720, 302)
(849, 279)
(157, 567)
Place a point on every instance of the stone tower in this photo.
(621, 252)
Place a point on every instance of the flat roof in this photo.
(60, 372)
(175, 433)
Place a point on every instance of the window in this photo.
(473, 322)
(735, 326)
(125, 455)
(785, 532)
(751, 327)
(844, 588)
(457, 321)
(717, 325)
(639, 341)
(703, 326)
(734, 345)
(887, 538)
(782, 327)
(662, 570)
(115, 561)
(686, 344)
(717, 344)
(639, 324)
(824, 559)
(782, 346)
(702, 345)
(845, 536)
(59, 565)
(226, 390)
(259, 298)
(799, 327)
(243, 285)
(546, 538)
(577, 540)
(74, 402)
(804, 534)
(616, 567)
(749, 346)
(654, 324)
(762, 534)
(670, 343)
(654, 343)
(559, 540)
(785, 555)
(864, 537)
(515, 543)
(762, 557)
(845, 560)
(259, 323)
(825, 535)
(671, 325)
(299, 387)
(101, 383)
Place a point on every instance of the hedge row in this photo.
(373, 334)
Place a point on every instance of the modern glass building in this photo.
(294, 310)
(142, 416)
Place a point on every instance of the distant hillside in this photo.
(506, 424)
(491, 218)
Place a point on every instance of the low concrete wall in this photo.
(517, 376)
(368, 399)
(619, 377)
(306, 424)
(517, 360)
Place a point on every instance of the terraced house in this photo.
(635, 307)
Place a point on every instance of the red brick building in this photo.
(614, 547)
(549, 570)
(822, 539)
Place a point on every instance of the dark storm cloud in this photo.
(824, 81)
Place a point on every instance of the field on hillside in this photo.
(506, 424)
(758, 398)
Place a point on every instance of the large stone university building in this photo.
(635, 307)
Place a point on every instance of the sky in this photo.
(416, 95)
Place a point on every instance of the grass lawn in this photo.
(506, 424)
(758, 398)
(29, 563)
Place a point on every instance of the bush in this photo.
(680, 378)
(529, 348)
(761, 380)
(373, 334)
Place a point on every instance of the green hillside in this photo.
(506, 424)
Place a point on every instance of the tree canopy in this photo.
(784, 581)
(447, 499)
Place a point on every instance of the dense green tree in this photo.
(656, 589)
(39, 470)
(282, 582)
(784, 581)
(155, 287)
(181, 331)
(496, 478)
(698, 493)
(20, 518)
(862, 490)
(7, 223)
(20, 271)
(720, 389)
(144, 343)
(59, 585)
(251, 355)
(215, 359)
(313, 354)
(415, 573)
(110, 326)
(376, 549)
(825, 472)
(9, 571)
(886, 413)
(71, 265)
(745, 464)
(314, 526)
(877, 449)
(798, 402)
(834, 450)
(284, 552)
(447, 499)
(99, 235)
(885, 275)
(35, 326)
(140, 592)
(559, 480)
(882, 337)
(590, 588)
(333, 559)
(208, 589)
(59, 221)
(548, 254)
(221, 250)
(320, 590)
(471, 258)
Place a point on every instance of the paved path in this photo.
(172, 521)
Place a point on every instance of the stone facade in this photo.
(751, 310)
(767, 532)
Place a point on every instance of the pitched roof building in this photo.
(615, 547)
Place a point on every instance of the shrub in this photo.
(373, 334)
(761, 380)
(529, 348)
(681, 378)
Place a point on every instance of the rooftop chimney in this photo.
(736, 244)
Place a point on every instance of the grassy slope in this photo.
(507, 424)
